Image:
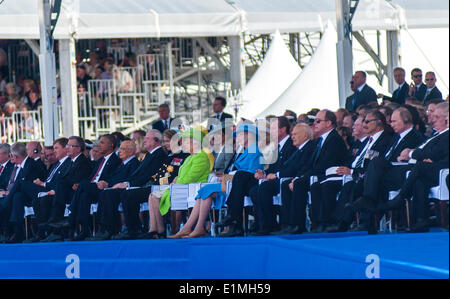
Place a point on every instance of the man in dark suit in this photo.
(281, 128)
(88, 190)
(28, 192)
(431, 156)
(25, 169)
(417, 89)
(143, 178)
(6, 167)
(432, 90)
(323, 194)
(219, 105)
(50, 209)
(34, 149)
(363, 95)
(107, 210)
(299, 161)
(165, 119)
(405, 135)
(401, 93)
(330, 150)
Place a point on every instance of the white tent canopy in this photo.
(87, 19)
(278, 70)
(316, 86)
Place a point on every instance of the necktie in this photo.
(121, 165)
(50, 177)
(1, 169)
(360, 161)
(318, 149)
(13, 178)
(98, 170)
(218, 116)
(393, 147)
(427, 93)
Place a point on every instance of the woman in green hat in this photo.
(195, 169)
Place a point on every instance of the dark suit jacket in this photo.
(59, 175)
(159, 125)
(411, 140)
(6, 175)
(400, 95)
(355, 149)
(284, 154)
(364, 97)
(150, 166)
(123, 173)
(214, 121)
(299, 162)
(381, 146)
(111, 165)
(41, 164)
(333, 153)
(434, 94)
(79, 171)
(436, 150)
(420, 94)
(30, 172)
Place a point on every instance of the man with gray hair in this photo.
(6, 167)
(262, 195)
(25, 169)
(401, 93)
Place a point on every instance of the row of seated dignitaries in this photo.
(310, 164)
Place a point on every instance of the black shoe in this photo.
(296, 230)
(283, 231)
(318, 230)
(395, 204)
(364, 204)
(53, 238)
(262, 232)
(126, 235)
(234, 231)
(16, 238)
(35, 239)
(147, 236)
(82, 236)
(100, 237)
(60, 224)
(226, 222)
(420, 227)
(340, 228)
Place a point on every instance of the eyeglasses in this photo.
(369, 120)
(417, 76)
(318, 120)
(429, 79)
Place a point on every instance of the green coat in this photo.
(195, 169)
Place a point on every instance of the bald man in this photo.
(299, 162)
(34, 150)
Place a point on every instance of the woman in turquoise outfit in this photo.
(249, 161)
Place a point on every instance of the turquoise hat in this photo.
(246, 128)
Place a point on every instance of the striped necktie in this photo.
(360, 161)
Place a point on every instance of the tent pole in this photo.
(48, 74)
(344, 49)
(68, 79)
(393, 56)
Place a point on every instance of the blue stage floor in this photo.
(300, 256)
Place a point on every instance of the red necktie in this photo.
(98, 170)
(1, 169)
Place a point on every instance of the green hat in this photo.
(195, 133)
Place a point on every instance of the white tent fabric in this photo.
(316, 86)
(278, 70)
(87, 19)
